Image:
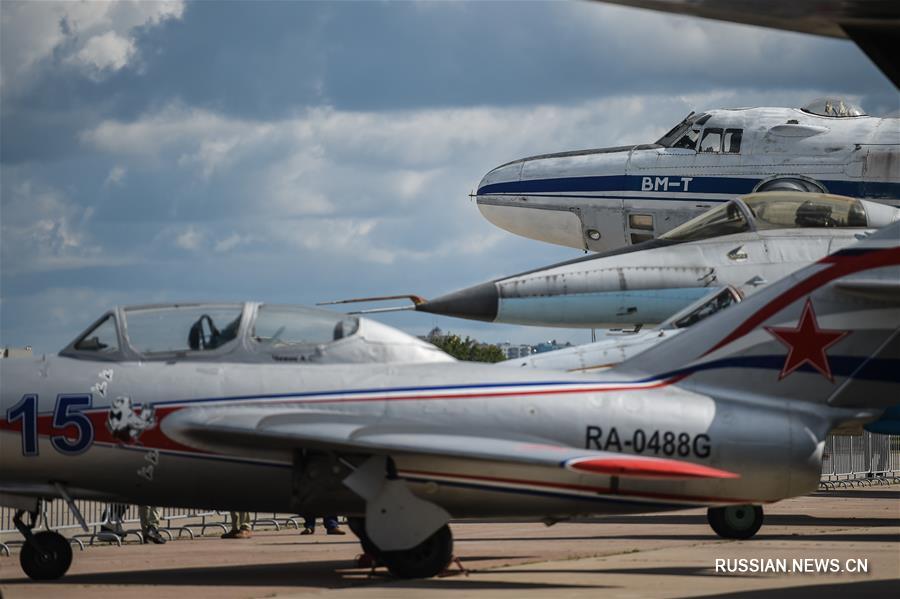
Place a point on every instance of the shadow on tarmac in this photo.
(866, 588)
(319, 574)
(859, 495)
(774, 519)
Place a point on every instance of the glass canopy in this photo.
(833, 107)
(773, 210)
(245, 332)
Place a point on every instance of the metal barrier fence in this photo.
(860, 460)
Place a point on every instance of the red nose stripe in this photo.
(647, 468)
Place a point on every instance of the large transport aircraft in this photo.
(171, 406)
(603, 199)
(744, 244)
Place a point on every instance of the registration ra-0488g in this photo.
(656, 442)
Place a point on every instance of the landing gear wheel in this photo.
(427, 559)
(735, 521)
(49, 562)
(358, 527)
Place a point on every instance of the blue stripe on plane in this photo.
(878, 369)
(725, 185)
(885, 370)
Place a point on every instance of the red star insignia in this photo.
(807, 343)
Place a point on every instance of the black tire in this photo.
(429, 558)
(358, 527)
(735, 521)
(51, 562)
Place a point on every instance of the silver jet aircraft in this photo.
(159, 408)
(745, 244)
(607, 198)
(618, 345)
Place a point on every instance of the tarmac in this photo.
(670, 555)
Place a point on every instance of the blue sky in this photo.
(298, 152)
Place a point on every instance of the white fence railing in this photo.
(858, 460)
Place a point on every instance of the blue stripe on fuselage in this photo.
(724, 185)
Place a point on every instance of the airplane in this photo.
(731, 414)
(618, 345)
(743, 244)
(603, 199)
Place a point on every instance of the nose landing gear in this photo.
(735, 521)
(46, 555)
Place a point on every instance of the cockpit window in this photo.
(685, 133)
(789, 210)
(731, 142)
(722, 300)
(102, 339)
(688, 140)
(180, 329)
(724, 220)
(712, 140)
(282, 326)
(833, 107)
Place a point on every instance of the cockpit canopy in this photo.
(783, 210)
(833, 107)
(248, 332)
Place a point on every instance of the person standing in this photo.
(331, 525)
(149, 516)
(240, 526)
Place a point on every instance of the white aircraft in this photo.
(604, 199)
(745, 244)
(731, 414)
(618, 345)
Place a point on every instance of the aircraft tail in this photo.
(828, 333)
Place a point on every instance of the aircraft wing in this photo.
(874, 25)
(237, 430)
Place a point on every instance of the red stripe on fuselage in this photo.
(590, 489)
(840, 266)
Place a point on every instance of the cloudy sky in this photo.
(298, 152)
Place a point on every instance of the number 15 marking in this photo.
(68, 413)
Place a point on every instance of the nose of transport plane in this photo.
(504, 204)
(479, 302)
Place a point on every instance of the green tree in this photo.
(468, 349)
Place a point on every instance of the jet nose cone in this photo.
(479, 302)
(496, 179)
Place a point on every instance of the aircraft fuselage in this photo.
(607, 198)
(55, 429)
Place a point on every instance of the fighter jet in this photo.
(744, 244)
(603, 199)
(619, 345)
(731, 414)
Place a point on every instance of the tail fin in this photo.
(829, 332)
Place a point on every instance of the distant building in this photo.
(546, 346)
(518, 351)
(16, 352)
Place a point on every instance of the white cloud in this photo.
(43, 230)
(231, 242)
(97, 36)
(190, 239)
(383, 187)
(116, 176)
(106, 52)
